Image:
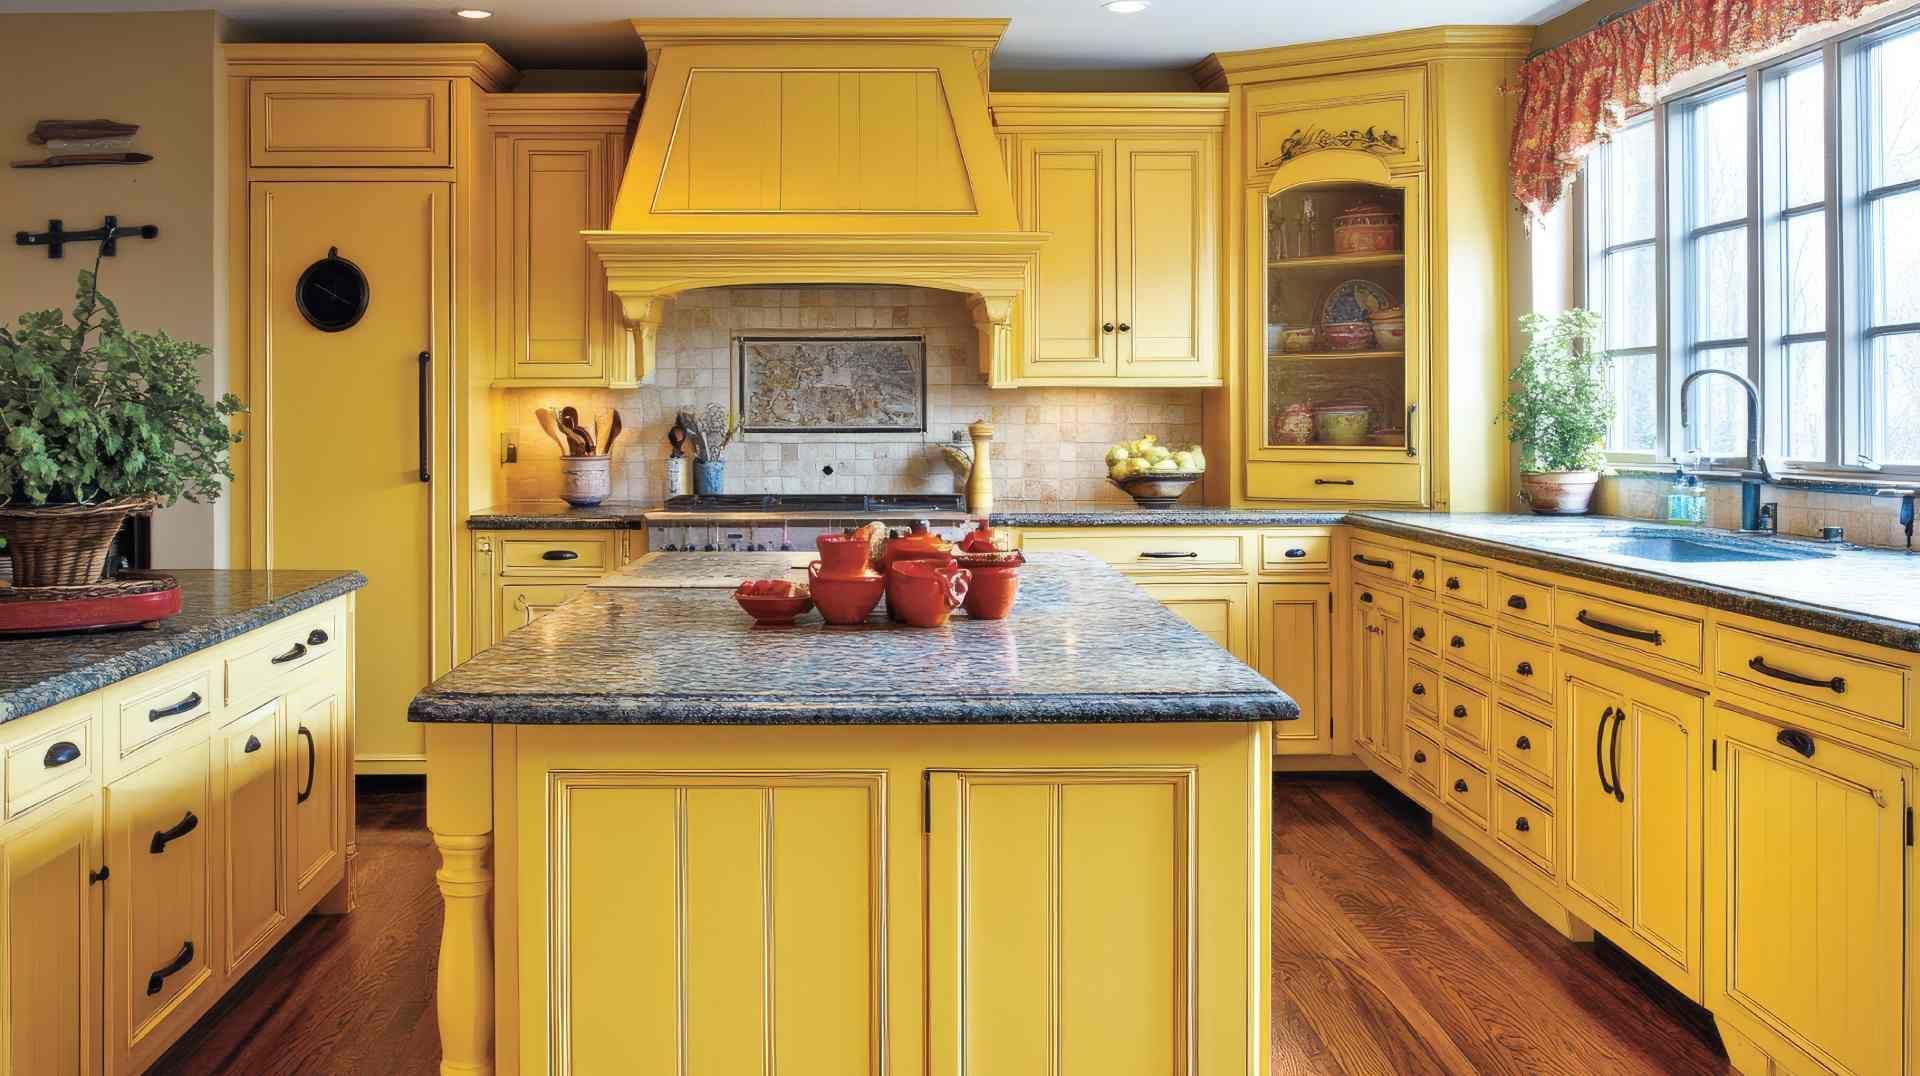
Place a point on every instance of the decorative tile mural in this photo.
(832, 384)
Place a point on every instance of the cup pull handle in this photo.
(60, 754)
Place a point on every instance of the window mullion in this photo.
(1833, 142)
(1757, 304)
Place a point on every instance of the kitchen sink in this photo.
(1703, 549)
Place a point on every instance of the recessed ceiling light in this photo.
(1125, 7)
(477, 13)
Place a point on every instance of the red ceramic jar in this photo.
(995, 585)
(924, 593)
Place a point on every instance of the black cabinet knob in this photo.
(1459, 785)
(1420, 757)
(1521, 824)
(1523, 744)
(1525, 668)
(1457, 643)
(1453, 582)
(1419, 634)
(1107, 328)
(1366, 596)
(1419, 689)
(1419, 575)
(1460, 711)
(1516, 601)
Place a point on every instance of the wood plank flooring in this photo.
(1394, 952)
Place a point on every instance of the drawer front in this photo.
(556, 556)
(44, 764)
(174, 702)
(1633, 628)
(1794, 673)
(401, 122)
(1423, 761)
(1366, 594)
(1337, 483)
(523, 603)
(1423, 573)
(1295, 552)
(1524, 826)
(1423, 628)
(1371, 561)
(1524, 743)
(1465, 788)
(1155, 551)
(1523, 664)
(1522, 600)
(1463, 711)
(283, 649)
(1423, 689)
(1463, 584)
(1467, 644)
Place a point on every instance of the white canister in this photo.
(585, 480)
(676, 476)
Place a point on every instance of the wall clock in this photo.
(332, 293)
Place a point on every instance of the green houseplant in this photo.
(98, 422)
(1559, 408)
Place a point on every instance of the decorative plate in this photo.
(1354, 300)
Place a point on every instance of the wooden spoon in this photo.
(544, 416)
(570, 422)
(613, 432)
(600, 432)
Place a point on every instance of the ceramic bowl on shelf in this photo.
(773, 601)
(1297, 338)
(1390, 334)
(1347, 335)
(1367, 228)
(1294, 426)
(1342, 423)
(1157, 489)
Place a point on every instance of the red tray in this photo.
(133, 599)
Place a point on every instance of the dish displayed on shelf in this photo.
(1296, 338)
(1353, 300)
(1389, 328)
(1347, 335)
(1367, 228)
(1295, 425)
(1343, 423)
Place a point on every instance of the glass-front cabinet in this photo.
(1335, 395)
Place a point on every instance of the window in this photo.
(1769, 225)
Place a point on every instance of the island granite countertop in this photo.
(1868, 595)
(1083, 646)
(215, 606)
(614, 515)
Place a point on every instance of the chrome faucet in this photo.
(1757, 471)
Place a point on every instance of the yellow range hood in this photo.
(818, 151)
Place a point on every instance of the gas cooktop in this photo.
(755, 522)
(823, 503)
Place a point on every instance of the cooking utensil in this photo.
(570, 422)
(544, 416)
(600, 431)
(614, 426)
(692, 425)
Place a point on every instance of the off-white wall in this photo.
(161, 71)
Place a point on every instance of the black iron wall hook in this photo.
(108, 235)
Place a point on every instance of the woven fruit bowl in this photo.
(1157, 489)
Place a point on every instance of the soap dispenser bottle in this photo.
(1696, 501)
(1679, 500)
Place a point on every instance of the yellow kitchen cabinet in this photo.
(316, 836)
(1380, 670)
(1293, 640)
(519, 575)
(251, 778)
(160, 946)
(557, 161)
(371, 122)
(50, 908)
(1126, 290)
(1808, 925)
(1218, 610)
(1636, 759)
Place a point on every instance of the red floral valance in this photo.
(1573, 96)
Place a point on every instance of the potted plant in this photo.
(98, 422)
(1559, 410)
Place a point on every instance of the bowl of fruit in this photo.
(1151, 473)
(773, 601)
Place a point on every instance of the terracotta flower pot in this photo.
(1558, 493)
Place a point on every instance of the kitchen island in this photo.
(989, 847)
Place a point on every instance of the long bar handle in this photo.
(426, 416)
(1837, 685)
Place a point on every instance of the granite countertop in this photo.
(559, 515)
(1083, 646)
(215, 606)
(1870, 595)
(1180, 515)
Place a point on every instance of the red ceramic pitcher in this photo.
(924, 593)
(844, 556)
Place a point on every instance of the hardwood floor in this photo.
(1394, 952)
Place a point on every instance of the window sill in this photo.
(1812, 481)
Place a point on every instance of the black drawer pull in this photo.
(1419, 689)
(1333, 481)
(298, 651)
(1523, 744)
(1296, 554)
(1516, 601)
(1419, 634)
(1106, 327)
(1795, 740)
(158, 980)
(1459, 784)
(1164, 554)
(1597, 624)
(560, 554)
(1457, 643)
(1525, 668)
(183, 706)
(1419, 575)
(60, 754)
(1521, 825)
(1372, 562)
(317, 637)
(1366, 596)
(313, 759)
(1837, 685)
(1460, 711)
(253, 744)
(164, 837)
(1420, 758)
(1453, 582)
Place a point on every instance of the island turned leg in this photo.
(460, 815)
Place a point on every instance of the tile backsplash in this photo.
(1867, 520)
(1048, 447)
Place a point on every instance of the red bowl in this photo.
(774, 608)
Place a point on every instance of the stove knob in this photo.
(669, 548)
(711, 548)
(786, 547)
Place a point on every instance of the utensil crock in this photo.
(585, 480)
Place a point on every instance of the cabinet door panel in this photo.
(316, 837)
(1059, 938)
(1599, 862)
(1805, 892)
(252, 775)
(1069, 192)
(1389, 688)
(1163, 247)
(1295, 637)
(1658, 772)
(553, 189)
(1219, 610)
(50, 952)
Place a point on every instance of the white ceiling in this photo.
(1045, 35)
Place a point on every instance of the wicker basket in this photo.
(65, 545)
